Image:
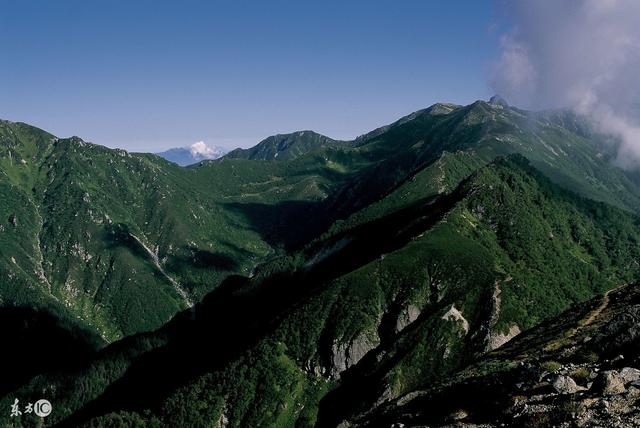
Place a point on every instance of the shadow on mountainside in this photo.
(284, 225)
(36, 341)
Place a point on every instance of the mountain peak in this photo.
(285, 146)
(497, 100)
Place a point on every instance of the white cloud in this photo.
(580, 54)
(200, 150)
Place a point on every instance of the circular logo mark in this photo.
(42, 408)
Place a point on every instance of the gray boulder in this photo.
(609, 383)
(565, 385)
(630, 374)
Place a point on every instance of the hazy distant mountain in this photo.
(194, 153)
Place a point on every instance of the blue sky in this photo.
(148, 75)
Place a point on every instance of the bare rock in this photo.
(565, 385)
(629, 375)
(345, 355)
(408, 315)
(455, 315)
(609, 383)
(458, 415)
(497, 338)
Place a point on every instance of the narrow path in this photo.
(597, 311)
(570, 335)
(156, 262)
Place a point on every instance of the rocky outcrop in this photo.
(580, 369)
(454, 314)
(223, 422)
(497, 338)
(346, 354)
(409, 314)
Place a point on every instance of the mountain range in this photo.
(426, 273)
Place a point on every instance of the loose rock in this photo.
(565, 385)
(609, 383)
(629, 374)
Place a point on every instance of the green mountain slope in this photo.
(120, 241)
(400, 302)
(485, 131)
(365, 269)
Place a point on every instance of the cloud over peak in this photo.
(200, 150)
(578, 54)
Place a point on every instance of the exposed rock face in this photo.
(223, 422)
(345, 355)
(455, 315)
(624, 329)
(408, 315)
(312, 367)
(223, 419)
(609, 383)
(497, 338)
